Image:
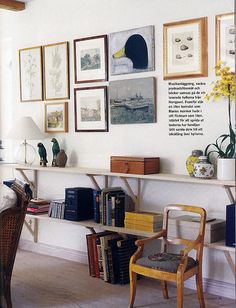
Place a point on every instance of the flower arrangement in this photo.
(224, 145)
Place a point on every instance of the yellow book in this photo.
(143, 223)
(144, 216)
(150, 228)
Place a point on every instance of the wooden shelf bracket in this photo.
(32, 226)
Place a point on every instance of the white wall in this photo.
(45, 22)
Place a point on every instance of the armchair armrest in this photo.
(190, 246)
(149, 239)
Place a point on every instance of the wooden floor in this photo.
(43, 281)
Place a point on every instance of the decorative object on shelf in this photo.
(90, 59)
(56, 71)
(56, 117)
(55, 151)
(61, 159)
(133, 101)
(193, 158)
(91, 109)
(25, 128)
(224, 145)
(185, 49)
(132, 51)
(203, 169)
(1, 151)
(225, 40)
(42, 154)
(31, 78)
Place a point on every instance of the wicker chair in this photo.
(11, 223)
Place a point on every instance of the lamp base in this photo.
(25, 154)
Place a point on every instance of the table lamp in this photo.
(25, 128)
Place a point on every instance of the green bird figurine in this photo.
(55, 151)
(43, 155)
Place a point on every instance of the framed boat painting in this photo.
(90, 59)
(56, 117)
(225, 40)
(90, 107)
(56, 71)
(133, 101)
(185, 49)
(31, 79)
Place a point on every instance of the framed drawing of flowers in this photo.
(90, 59)
(91, 109)
(31, 81)
(56, 117)
(185, 49)
(225, 40)
(56, 71)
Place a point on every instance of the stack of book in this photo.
(57, 209)
(109, 255)
(38, 206)
(143, 221)
(110, 205)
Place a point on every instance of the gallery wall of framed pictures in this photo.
(44, 72)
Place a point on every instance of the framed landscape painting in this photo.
(132, 51)
(90, 59)
(91, 109)
(56, 117)
(56, 71)
(185, 49)
(31, 81)
(225, 40)
(133, 101)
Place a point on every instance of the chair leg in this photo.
(164, 289)
(180, 293)
(133, 283)
(200, 290)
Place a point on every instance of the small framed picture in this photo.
(31, 81)
(90, 59)
(56, 117)
(132, 51)
(91, 109)
(56, 71)
(185, 49)
(225, 40)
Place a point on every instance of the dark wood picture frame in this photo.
(94, 53)
(91, 103)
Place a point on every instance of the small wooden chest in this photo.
(135, 165)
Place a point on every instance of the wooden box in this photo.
(186, 226)
(134, 165)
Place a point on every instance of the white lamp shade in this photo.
(25, 128)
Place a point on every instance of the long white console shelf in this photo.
(93, 173)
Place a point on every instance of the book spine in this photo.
(95, 255)
(90, 255)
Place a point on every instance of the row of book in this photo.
(110, 205)
(54, 208)
(109, 254)
(144, 221)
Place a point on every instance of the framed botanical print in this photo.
(225, 40)
(56, 117)
(91, 109)
(90, 59)
(31, 81)
(133, 101)
(132, 51)
(56, 71)
(185, 49)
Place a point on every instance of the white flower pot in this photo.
(226, 169)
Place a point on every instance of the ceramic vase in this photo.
(61, 159)
(226, 169)
(203, 169)
(191, 160)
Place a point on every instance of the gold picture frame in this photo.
(56, 71)
(225, 39)
(31, 75)
(56, 117)
(185, 49)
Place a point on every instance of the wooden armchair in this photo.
(11, 223)
(167, 266)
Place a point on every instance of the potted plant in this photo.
(224, 146)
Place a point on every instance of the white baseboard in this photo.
(211, 286)
(55, 251)
(215, 287)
